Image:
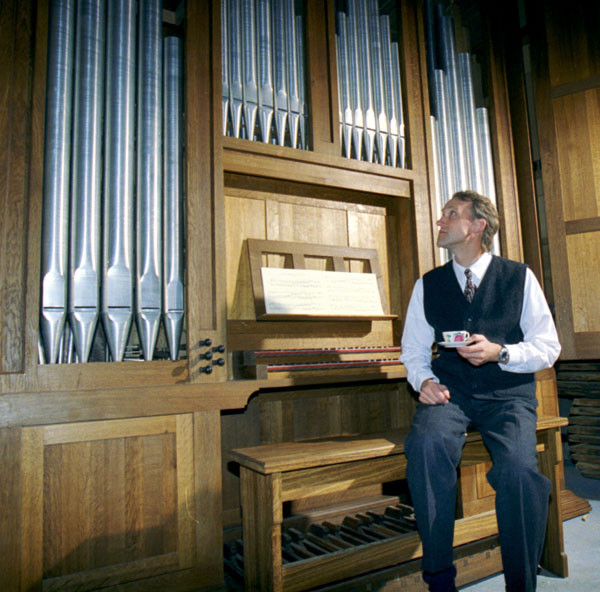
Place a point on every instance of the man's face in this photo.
(456, 225)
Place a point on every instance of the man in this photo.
(489, 384)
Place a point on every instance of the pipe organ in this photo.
(154, 141)
(113, 244)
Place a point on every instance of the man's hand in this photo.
(433, 393)
(479, 350)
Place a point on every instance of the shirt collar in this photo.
(478, 269)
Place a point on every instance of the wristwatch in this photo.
(503, 356)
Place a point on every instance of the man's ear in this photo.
(479, 225)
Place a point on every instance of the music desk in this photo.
(274, 473)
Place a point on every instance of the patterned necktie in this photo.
(469, 286)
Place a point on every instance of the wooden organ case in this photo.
(116, 475)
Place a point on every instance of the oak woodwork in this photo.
(565, 66)
(147, 442)
(106, 501)
(15, 121)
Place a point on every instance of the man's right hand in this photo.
(433, 393)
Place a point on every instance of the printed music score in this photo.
(320, 293)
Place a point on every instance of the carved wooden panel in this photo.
(106, 502)
(566, 76)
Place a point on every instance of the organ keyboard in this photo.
(337, 361)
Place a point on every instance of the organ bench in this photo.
(275, 473)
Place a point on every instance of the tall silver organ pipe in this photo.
(225, 63)
(249, 81)
(294, 108)
(119, 176)
(279, 71)
(113, 203)
(389, 94)
(57, 157)
(149, 177)
(342, 70)
(263, 71)
(460, 129)
(235, 65)
(173, 239)
(84, 267)
(370, 94)
(398, 99)
(303, 141)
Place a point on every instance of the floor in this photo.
(582, 545)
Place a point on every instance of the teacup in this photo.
(455, 336)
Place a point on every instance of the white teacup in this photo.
(455, 336)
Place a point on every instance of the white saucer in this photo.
(453, 343)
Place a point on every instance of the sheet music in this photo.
(323, 293)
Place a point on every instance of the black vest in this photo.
(494, 312)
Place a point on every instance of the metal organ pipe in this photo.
(84, 268)
(265, 70)
(173, 293)
(249, 79)
(303, 143)
(344, 98)
(225, 64)
(279, 71)
(235, 67)
(149, 177)
(292, 74)
(57, 162)
(398, 100)
(119, 176)
(389, 93)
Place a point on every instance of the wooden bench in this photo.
(275, 473)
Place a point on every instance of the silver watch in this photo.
(503, 356)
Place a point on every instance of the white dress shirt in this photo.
(538, 350)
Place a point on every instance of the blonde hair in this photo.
(482, 208)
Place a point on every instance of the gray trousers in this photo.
(433, 449)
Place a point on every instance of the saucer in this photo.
(453, 343)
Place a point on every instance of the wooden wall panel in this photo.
(16, 57)
(565, 58)
(247, 219)
(10, 505)
(307, 223)
(573, 44)
(106, 502)
(585, 280)
(577, 121)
